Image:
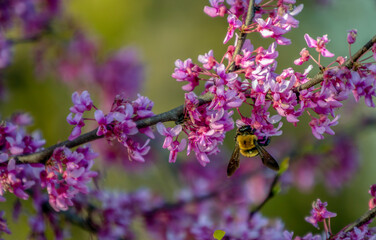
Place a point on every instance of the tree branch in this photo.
(365, 219)
(173, 115)
(243, 36)
(349, 64)
(177, 113)
(271, 194)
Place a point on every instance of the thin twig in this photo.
(271, 194)
(243, 35)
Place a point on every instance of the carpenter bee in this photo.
(247, 143)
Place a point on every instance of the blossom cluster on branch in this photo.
(243, 81)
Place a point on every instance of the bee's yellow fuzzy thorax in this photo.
(246, 141)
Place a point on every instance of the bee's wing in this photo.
(234, 161)
(266, 158)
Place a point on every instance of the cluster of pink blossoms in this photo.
(65, 174)
(32, 17)
(119, 124)
(271, 21)
(256, 83)
(14, 140)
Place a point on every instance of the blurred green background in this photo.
(164, 31)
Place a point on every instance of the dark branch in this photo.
(175, 114)
(349, 64)
(365, 219)
(368, 216)
(172, 115)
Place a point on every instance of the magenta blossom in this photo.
(363, 86)
(174, 146)
(351, 36)
(319, 213)
(319, 45)
(217, 8)
(187, 71)
(66, 175)
(81, 102)
(234, 23)
(78, 122)
(305, 56)
(103, 121)
(322, 125)
(207, 60)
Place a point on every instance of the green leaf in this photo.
(276, 189)
(284, 165)
(219, 234)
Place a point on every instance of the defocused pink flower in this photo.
(5, 52)
(122, 73)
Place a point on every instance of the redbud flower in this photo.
(351, 36)
(174, 146)
(322, 125)
(269, 29)
(319, 213)
(304, 57)
(187, 71)
(217, 8)
(319, 44)
(234, 23)
(103, 121)
(142, 107)
(81, 102)
(207, 60)
(363, 86)
(66, 175)
(77, 120)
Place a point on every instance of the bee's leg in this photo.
(264, 141)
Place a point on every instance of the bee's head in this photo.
(246, 129)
